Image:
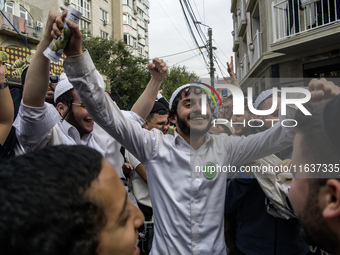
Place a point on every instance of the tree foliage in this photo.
(128, 75)
(177, 76)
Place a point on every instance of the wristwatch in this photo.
(4, 85)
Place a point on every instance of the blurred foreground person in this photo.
(65, 200)
(315, 190)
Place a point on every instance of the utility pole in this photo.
(211, 58)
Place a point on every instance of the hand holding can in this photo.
(57, 46)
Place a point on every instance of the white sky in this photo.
(169, 34)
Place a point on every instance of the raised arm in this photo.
(6, 106)
(36, 83)
(87, 81)
(145, 102)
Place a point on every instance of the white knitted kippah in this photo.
(263, 96)
(62, 87)
(173, 96)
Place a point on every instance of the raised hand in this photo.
(158, 69)
(322, 89)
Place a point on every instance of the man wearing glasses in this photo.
(40, 124)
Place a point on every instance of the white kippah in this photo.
(174, 95)
(62, 87)
(263, 96)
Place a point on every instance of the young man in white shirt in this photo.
(40, 124)
(188, 205)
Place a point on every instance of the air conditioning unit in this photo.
(38, 24)
(135, 12)
(105, 22)
(139, 37)
(67, 2)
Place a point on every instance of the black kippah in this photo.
(157, 107)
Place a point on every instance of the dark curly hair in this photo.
(44, 208)
(186, 92)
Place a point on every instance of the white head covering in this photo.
(62, 87)
(263, 96)
(173, 96)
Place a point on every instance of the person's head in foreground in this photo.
(186, 111)
(65, 200)
(315, 190)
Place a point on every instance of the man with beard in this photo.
(188, 200)
(40, 124)
(315, 190)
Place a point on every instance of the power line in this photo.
(223, 64)
(173, 24)
(198, 11)
(191, 32)
(228, 58)
(177, 53)
(184, 60)
(219, 67)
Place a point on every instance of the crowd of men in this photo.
(87, 166)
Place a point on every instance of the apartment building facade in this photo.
(22, 26)
(281, 42)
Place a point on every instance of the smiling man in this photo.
(188, 205)
(40, 124)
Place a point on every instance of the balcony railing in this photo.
(255, 49)
(243, 67)
(240, 17)
(290, 18)
(34, 33)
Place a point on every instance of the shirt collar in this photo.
(179, 140)
(72, 132)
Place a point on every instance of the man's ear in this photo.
(331, 199)
(173, 119)
(146, 125)
(62, 108)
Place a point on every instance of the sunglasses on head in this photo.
(54, 79)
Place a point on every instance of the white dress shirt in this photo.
(37, 127)
(188, 207)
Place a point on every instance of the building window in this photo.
(141, 32)
(104, 35)
(128, 3)
(146, 10)
(9, 7)
(140, 13)
(127, 19)
(84, 25)
(141, 49)
(84, 7)
(130, 41)
(103, 15)
(24, 14)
